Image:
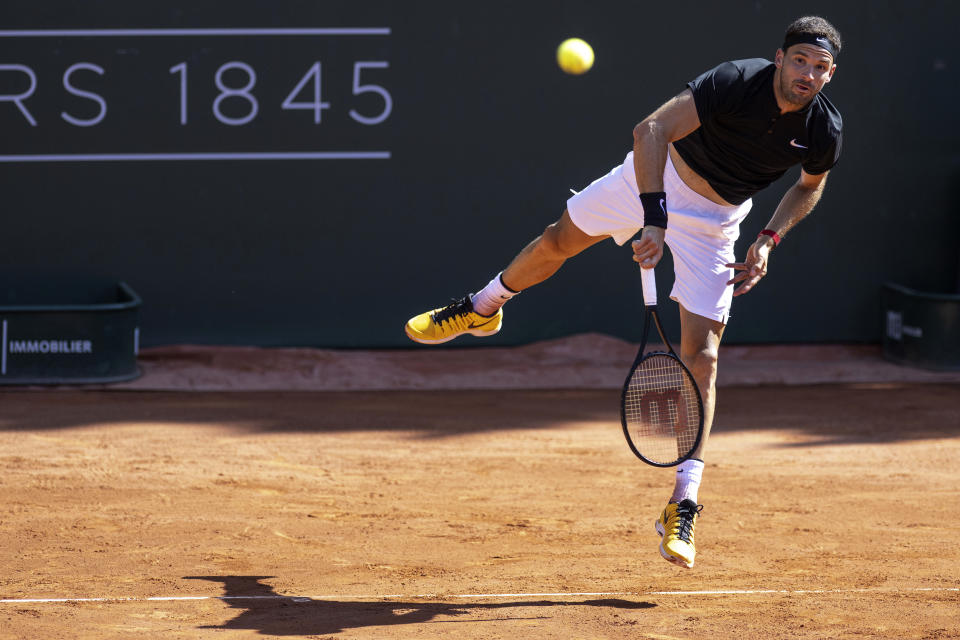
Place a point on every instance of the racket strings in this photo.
(662, 409)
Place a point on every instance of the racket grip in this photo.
(649, 283)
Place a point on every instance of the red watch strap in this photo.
(773, 234)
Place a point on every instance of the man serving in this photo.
(687, 183)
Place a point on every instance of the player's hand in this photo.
(648, 249)
(753, 268)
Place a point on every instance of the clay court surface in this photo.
(831, 511)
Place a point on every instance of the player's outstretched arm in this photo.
(675, 119)
(796, 204)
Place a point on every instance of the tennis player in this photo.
(687, 183)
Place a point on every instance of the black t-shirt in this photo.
(744, 143)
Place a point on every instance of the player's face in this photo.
(803, 70)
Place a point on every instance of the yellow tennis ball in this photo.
(575, 56)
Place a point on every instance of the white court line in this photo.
(396, 596)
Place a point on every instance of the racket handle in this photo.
(649, 282)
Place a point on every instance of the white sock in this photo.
(688, 481)
(488, 300)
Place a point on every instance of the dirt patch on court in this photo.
(830, 512)
(583, 361)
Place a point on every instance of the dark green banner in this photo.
(315, 173)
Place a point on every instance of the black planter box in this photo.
(72, 343)
(921, 329)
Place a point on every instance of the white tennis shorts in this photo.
(700, 233)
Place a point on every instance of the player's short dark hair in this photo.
(814, 26)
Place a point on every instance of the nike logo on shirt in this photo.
(794, 143)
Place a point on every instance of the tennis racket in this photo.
(660, 408)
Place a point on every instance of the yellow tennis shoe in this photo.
(675, 526)
(455, 319)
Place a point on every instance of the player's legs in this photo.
(479, 314)
(699, 350)
(546, 254)
(608, 207)
(699, 345)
